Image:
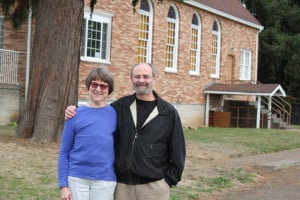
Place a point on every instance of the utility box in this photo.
(219, 119)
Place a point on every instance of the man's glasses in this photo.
(94, 85)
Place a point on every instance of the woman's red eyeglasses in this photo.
(94, 86)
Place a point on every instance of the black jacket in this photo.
(154, 152)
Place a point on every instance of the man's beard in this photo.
(142, 91)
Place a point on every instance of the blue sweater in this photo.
(87, 145)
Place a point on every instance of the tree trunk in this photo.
(54, 69)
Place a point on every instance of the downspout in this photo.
(257, 48)
(28, 50)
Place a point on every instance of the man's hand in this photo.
(66, 194)
(70, 112)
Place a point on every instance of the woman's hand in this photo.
(66, 194)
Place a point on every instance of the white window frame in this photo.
(173, 68)
(217, 61)
(245, 64)
(99, 17)
(150, 30)
(198, 43)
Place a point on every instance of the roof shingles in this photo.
(231, 7)
(244, 88)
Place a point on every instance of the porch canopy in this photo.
(257, 90)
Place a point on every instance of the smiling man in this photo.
(149, 142)
(150, 146)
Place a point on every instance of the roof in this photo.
(232, 9)
(246, 89)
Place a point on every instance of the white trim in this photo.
(150, 31)
(97, 12)
(175, 50)
(198, 50)
(256, 58)
(243, 71)
(100, 17)
(258, 110)
(237, 93)
(218, 55)
(274, 93)
(280, 90)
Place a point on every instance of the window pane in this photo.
(245, 65)
(145, 6)
(172, 39)
(193, 49)
(144, 40)
(195, 20)
(215, 26)
(171, 13)
(96, 37)
(214, 53)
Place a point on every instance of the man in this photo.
(149, 146)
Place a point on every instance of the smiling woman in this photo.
(86, 156)
(100, 77)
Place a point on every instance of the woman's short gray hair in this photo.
(103, 74)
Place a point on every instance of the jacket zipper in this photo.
(133, 143)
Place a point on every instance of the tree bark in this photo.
(54, 69)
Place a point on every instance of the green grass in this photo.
(13, 187)
(257, 140)
(226, 179)
(39, 181)
(9, 126)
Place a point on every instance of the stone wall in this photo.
(9, 103)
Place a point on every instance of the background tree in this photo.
(54, 64)
(55, 58)
(279, 52)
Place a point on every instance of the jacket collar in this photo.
(133, 111)
(161, 104)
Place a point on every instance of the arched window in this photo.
(145, 32)
(215, 50)
(195, 45)
(172, 40)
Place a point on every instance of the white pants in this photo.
(85, 189)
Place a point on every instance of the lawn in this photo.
(28, 170)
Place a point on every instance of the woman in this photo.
(86, 156)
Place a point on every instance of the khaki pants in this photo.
(157, 190)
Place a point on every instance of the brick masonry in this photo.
(179, 88)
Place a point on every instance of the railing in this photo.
(8, 66)
(280, 111)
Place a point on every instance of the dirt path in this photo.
(281, 184)
(202, 161)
